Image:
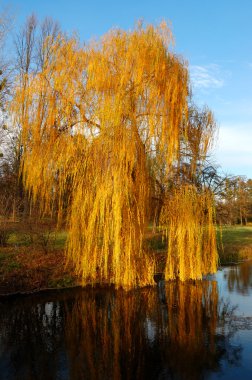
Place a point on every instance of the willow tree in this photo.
(93, 119)
(188, 211)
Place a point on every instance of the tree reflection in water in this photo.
(172, 331)
(239, 278)
(30, 340)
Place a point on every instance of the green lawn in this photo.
(37, 256)
(236, 243)
(51, 240)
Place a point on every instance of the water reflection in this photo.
(30, 340)
(239, 278)
(173, 331)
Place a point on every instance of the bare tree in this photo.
(33, 44)
(49, 31)
(25, 46)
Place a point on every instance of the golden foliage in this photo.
(188, 215)
(91, 119)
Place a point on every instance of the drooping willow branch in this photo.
(99, 124)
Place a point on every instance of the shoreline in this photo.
(41, 291)
(26, 269)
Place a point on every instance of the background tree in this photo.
(32, 48)
(235, 200)
(192, 166)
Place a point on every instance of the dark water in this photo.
(199, 330)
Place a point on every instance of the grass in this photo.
(60, 240)
(236, 243)
(54, 240)
(155, 242)
(34, 259)
(18, 239)
(26, 265)
(64, 282)
(8, 262)
(12, 265)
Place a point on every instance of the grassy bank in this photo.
(234, 243)
(34, 259)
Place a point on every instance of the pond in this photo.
(196, 330)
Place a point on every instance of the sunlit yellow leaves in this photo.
(91, 120)
(188, 215)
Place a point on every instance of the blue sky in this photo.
(214, 36)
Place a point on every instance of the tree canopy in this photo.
(104, 127)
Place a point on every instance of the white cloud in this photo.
(206, 77)
(236, 137)
(234, 148)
